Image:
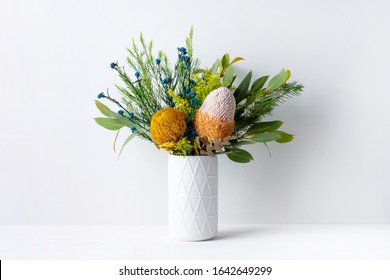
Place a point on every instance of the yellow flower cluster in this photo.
(181, 103)
(167, 125)
(183, 147)
(206, 84)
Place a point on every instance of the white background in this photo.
(58, 167)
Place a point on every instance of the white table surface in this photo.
(233, 242)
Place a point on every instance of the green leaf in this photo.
(231, 84)
(107, 111)
(103, 108)
(128, 139)
(225, 60)
(239, 112)
(242, 90)
(264, 127)
(284, 137)
(116, 138)
(229, 75)
(264, 137)
(109, 123)
(215, 66)
(126, 122)
(236, 59)
(277, 81)
(288, 75)
(259, 83)
(242, 143)
(239, 155)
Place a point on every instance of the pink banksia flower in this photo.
(215, 118)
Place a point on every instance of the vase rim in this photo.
(193, 156)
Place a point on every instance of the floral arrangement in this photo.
(191, 111)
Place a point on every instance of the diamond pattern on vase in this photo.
(193, 197)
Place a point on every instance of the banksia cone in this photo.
(215, 118)
(167, 125)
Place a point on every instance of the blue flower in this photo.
(183, 50)
(121, 112)
(191, 132)
(100, 95)
(137, 74)
(166, 80)
(114, 65)
(196, 101)
(158, 60)
(131, 115)
(186, 58)
(132, 129)
(192, 94)
(192, 82)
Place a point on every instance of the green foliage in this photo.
(239, 155)
(284, 137)
(242, 90)
(278, 80)
(116, 121)
(128, 139)
(264, 127)
(264, 137)
(109, 123)
(259, 83)
(228, 78)
(260, 102)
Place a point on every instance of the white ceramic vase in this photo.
(193, 197)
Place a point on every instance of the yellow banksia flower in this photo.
(167, 125)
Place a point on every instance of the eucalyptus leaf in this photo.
(284, 137)
(264, 137)
(116, 138)
(127, 122)
(229, 75)
(215, 66)
(128, 139)
(264, 127)
(242, 90)
(231, 84)
(109, 123)
(288, 75)
(225, 60)
(242, 143)
(239, 112)
(259, 83)
(236, 59)
(277, 81)
(239, 155)
(103, 109)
